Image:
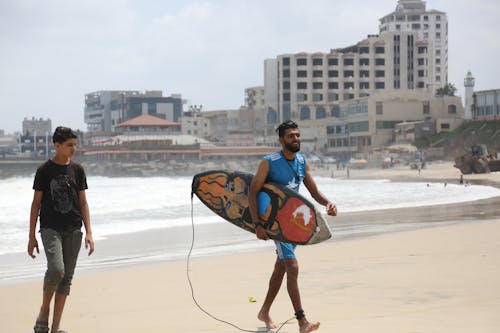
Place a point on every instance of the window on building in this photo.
(286, 97)
(364, 49)
(301, 73)
(301, 85)
(438, 17)
(426, 108)
(420, 84)
(445, 126)
(305, 113)
(364, 73)
(348, 62)
(379, 85)
(348, 74)
(348, 85)
(333, 61)
(438, 35)
(421, 73)
(286, 73)
(317, 62)
(379, 62)
(335, 112)
(379, 49)
(317, 85)
(301, 97)
(438, 26)
(422, 49)
(379, 108)
(452, 109)
(286, 61)
(301, 61)
(438, 61)
(364, 62)
(320, 112)
(426, 35)
(286, 85)
(317, 73)
(379, 73)
(333, 85)
(364, 85)
(332, 97)
(317, 97)
(421, 61)
(438, 53)
(333, 73)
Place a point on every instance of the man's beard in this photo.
(292, 148)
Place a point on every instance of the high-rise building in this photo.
(360, 92)
(427, 26)
(106, 109)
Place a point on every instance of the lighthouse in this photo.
(469, 90)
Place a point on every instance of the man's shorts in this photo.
(285, 250)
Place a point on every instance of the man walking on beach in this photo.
(287, 167)
(60, 200)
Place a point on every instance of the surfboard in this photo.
(287, 215)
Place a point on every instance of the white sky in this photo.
(52, 52)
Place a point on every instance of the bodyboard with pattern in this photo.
(287, 215)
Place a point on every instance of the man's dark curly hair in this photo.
(284, 126)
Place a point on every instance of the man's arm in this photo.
(311, 186)
(257, 182)
(84, 208)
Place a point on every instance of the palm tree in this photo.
(448, 90)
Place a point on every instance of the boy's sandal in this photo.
(41, 327)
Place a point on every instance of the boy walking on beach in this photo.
(287, 167)
(60, 201)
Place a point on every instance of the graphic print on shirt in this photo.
(62, 194)
(292, 184)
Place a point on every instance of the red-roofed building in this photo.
(147, 123)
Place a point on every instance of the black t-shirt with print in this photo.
(61, 185)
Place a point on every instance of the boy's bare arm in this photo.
(84, 208)
(35, 209)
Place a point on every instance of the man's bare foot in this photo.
(308, 327)
(267, 320)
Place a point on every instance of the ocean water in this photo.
(131, 205)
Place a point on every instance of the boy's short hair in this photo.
(284, 126)
(62, 134)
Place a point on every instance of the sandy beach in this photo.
(440, 279)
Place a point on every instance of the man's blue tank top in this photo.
(283, 171)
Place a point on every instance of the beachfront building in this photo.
(104, 110)
(425, 25)
(36, 138)
(486, 105)
(350, 99)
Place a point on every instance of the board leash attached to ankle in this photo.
(192, 289)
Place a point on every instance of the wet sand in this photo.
(418, 279)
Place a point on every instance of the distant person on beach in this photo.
(60, 201)
(287, 167)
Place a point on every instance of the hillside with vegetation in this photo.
(457, 142)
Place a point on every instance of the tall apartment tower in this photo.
(429, 26)
(469, 91)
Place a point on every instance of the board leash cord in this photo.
(192, 289)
